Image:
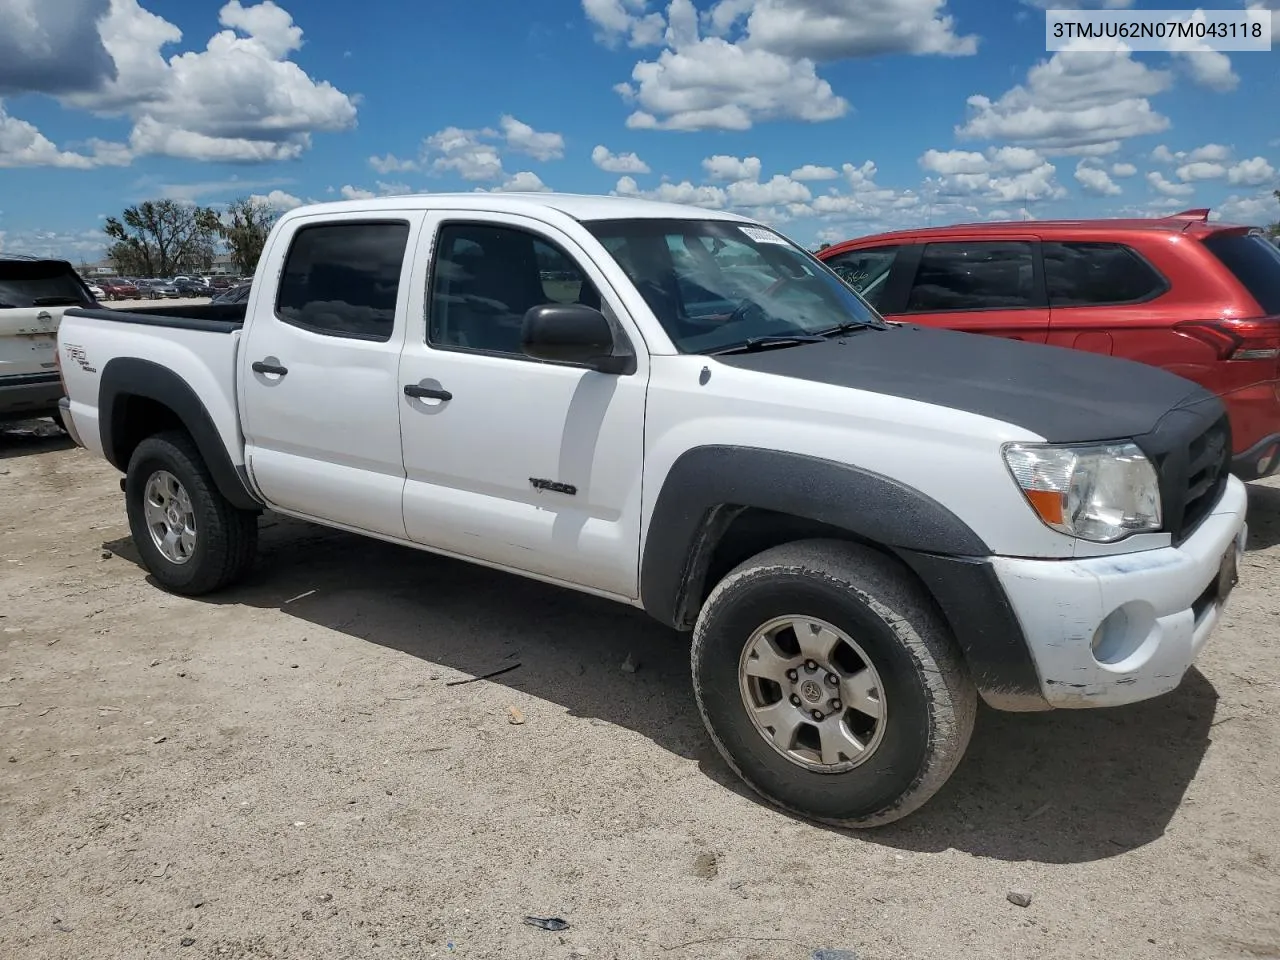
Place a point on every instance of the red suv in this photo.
(1200, 299)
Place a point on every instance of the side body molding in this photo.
(125, 377)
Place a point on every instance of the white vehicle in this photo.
(34, 292)
(864, 525)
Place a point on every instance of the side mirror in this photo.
(573, 333)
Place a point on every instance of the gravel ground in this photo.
(285, 771)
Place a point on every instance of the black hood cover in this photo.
(1065, 396)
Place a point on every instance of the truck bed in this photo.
(208, 317)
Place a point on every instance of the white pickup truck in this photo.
(864, 525)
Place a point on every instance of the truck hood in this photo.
(1064, 396)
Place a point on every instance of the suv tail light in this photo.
(1257, 339)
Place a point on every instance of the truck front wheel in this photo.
(191, 539)
(831, 684)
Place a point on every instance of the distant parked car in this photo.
(162, 290)
(119, 289)
(97, 291)
(1200, 299)
(192, 287)
(236, 294)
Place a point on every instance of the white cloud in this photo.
(1215, 152)
(1201, 170)
(1077, 101)
(812, 171)
(1095, 180)
(1162, 154)
(617, 20)
(721, 167)
(709, 83)
(392, 164)
(522, 138)
(1123, 170)
(355, 193)
(52, 46)
(239, 99)
(277, 200)
(611, 162)
(829, 30)
(1001, 175)
(778, 190)
(522, 182)
(1274, 6)
(1257, 210)
(713, 198)
(464, 152)
(1251, 173)
(22, 145)
(1209, 68)
(1167, 187)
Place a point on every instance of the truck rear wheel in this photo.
(831, 684)
(192, 540)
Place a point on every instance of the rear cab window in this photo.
(342, 279)
(1254, 262)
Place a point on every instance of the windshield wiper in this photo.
(752, 344)
(851, 325)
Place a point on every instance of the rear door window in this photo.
(1098, 274)
(41, 283)
(974, 275)
(867, 271)
(1255, 263)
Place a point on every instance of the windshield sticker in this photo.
(761, 235)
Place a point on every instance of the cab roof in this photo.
(581, 207)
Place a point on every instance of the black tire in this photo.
(930, 699)
(226, 537)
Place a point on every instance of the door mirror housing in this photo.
(574, 333)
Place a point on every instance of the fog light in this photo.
(1123, 634)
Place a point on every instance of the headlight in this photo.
(1101, 493)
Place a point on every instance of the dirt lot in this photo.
(285, 771)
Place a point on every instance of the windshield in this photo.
(717, 284)
(40, 283)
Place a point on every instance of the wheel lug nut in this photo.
(817, 715)
(810, 665)
(833, 679)
(835, 705)
(795, 701)
(793, 676)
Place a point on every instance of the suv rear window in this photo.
(1255, 263)
(41, 283)
(1097, 274)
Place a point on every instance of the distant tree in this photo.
(1274, 229)
(244, 228)
(158, 238)
(823, 246)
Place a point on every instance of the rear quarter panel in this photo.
(206, 361)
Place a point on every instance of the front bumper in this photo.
(1117, 629)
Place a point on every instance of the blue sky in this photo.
(827, 118)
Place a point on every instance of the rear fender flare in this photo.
(126, 377)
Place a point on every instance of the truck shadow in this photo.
(1264, 516)
(1066, 787)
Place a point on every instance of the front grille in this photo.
(1193, 474)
